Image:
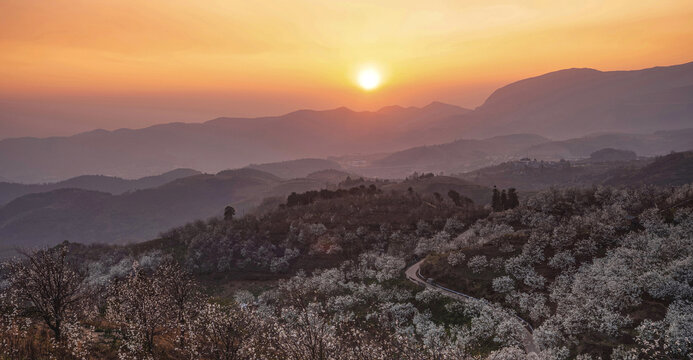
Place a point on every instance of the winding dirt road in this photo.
(414, 275)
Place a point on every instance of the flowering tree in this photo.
(13, 328)
(141, 306)
(503, 284)
(46, 283)
(477, 263)
(223, 332)
(184, 298)
(455, 258)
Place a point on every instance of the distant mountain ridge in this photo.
(467, 155)
(296, 168)
(564, 104)
(90, 216)
(87, 216)
(108, 184)
(669, 170)
(455, 156)
(673, 169)
(648, 144)
(574, 102)
(222, 143)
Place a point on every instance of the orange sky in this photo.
(68, 66)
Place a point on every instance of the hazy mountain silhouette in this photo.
(534, 175)
(331, 175)
(563, 104)
(91, 216)
(456, 156)
(657, 143)
(221, 143)
(668, 170)
(296, 168)
(575, 102)
(101, 183)
(611, 155)
(607, 167)
(467, 155)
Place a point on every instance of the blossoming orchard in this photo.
(574, 273)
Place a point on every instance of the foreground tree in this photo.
(184, 298)
(224, 332)
(50, 286)
(140, 306)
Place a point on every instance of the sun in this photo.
(369, 78)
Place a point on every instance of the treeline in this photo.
(309, 197)
(502, 200)
(457, 199)
(315, 229)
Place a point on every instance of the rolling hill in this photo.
(296, 168)
(451, 157)
(652, 144)
(101, 183)
(537, 175)
(91, 216)
(463, 156)
(674, 169)
(670, 170)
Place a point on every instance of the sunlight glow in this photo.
(369, 78)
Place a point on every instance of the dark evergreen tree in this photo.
(503, 200)
(513, 201)
(496, 200)
(229, 213)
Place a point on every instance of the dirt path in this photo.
(414, 275)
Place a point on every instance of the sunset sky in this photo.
(69, 66)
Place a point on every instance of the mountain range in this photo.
(467, 155)
(575, 102)
(565, 104)
(297, 168)
(673, 169)
(89, 216)
(221, 143)
(108, 184)
(456, 156)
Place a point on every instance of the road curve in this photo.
(414, 275)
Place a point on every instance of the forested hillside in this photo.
(667, 170)
(617, 169)
(598, 272)
(316, 229)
